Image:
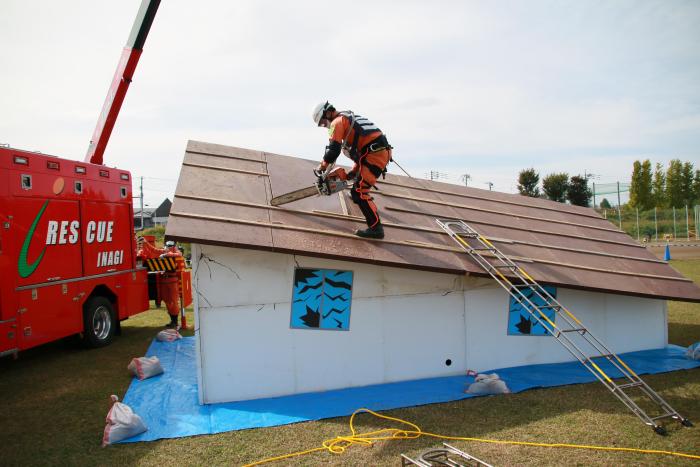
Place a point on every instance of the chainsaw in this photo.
(328, 182)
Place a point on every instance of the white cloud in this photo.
(459, 86)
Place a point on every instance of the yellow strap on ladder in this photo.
(600, 371)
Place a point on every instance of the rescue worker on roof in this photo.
(364, 143)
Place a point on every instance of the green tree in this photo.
(578, 192)
(658, 186)
(528, 180)
(696, 187)
(674, 184)
(555, 186)
(687, 183)
(605, 204)
(640, 188)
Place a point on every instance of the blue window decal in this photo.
(321, 299)
(522, 323)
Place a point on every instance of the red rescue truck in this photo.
(67, 247)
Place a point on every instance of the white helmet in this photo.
(319, 110)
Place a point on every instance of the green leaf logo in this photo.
(24, 269)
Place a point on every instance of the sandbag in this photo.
(168, 335)
(145, 367)
(122, 423)
(693, 351)
(488, 384)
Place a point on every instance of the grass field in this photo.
(54, 400)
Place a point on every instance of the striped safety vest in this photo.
(362, 126)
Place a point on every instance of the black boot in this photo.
(371, 232)
(173, 322)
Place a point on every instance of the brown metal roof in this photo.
(223, 195)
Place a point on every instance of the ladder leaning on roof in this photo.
(526, 291)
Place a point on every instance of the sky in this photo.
(485, 88)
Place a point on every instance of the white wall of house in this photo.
(404, 325)
(622, 323)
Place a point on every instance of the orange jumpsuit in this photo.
(368, 148)
(169, 283)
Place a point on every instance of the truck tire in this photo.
(99, 324)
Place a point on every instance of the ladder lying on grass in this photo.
(526, 291)
(446, 455)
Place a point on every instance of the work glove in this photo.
(322, 166)
(352, 175)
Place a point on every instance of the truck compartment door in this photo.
(107, 238)
(45, 237)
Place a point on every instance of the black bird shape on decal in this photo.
(525, 325)
(334, 310)
(302, 275)
(311, 318)
(305, 299)
(308, 287)
(340, 285)
(340, 297)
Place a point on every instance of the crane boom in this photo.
(122, 78)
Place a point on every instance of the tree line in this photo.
(557, 187)
(677, 186)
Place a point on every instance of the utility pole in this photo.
(490, 184)
(435, 175)
(465, 178)
(589, 176)
(619, 212)
(593, 195)
(141, 199)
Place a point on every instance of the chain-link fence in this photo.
(657, 224)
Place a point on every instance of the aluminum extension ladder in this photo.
(521, 287)
(447, 456)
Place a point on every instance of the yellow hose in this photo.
(339, 444)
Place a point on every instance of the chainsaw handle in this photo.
(322, 174)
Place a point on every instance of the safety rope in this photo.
(339, 444)
(404, 171)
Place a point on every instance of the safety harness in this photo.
(362, 127)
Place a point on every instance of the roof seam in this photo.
(225, 156)
(473, 208)
(464, 195)
(418, 228)
(226, 169)
(604, 240)
(404, 243)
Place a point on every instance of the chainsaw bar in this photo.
(294, 196)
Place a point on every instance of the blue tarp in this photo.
(168, 404)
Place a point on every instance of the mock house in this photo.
(289, 301)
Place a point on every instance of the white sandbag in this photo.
(122, 423)
(693, 351)
(488, 384)
(145, 367)
(168, 335)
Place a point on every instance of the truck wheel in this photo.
(98, 322)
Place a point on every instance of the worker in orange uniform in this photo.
(364, 143)
(169, 288)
